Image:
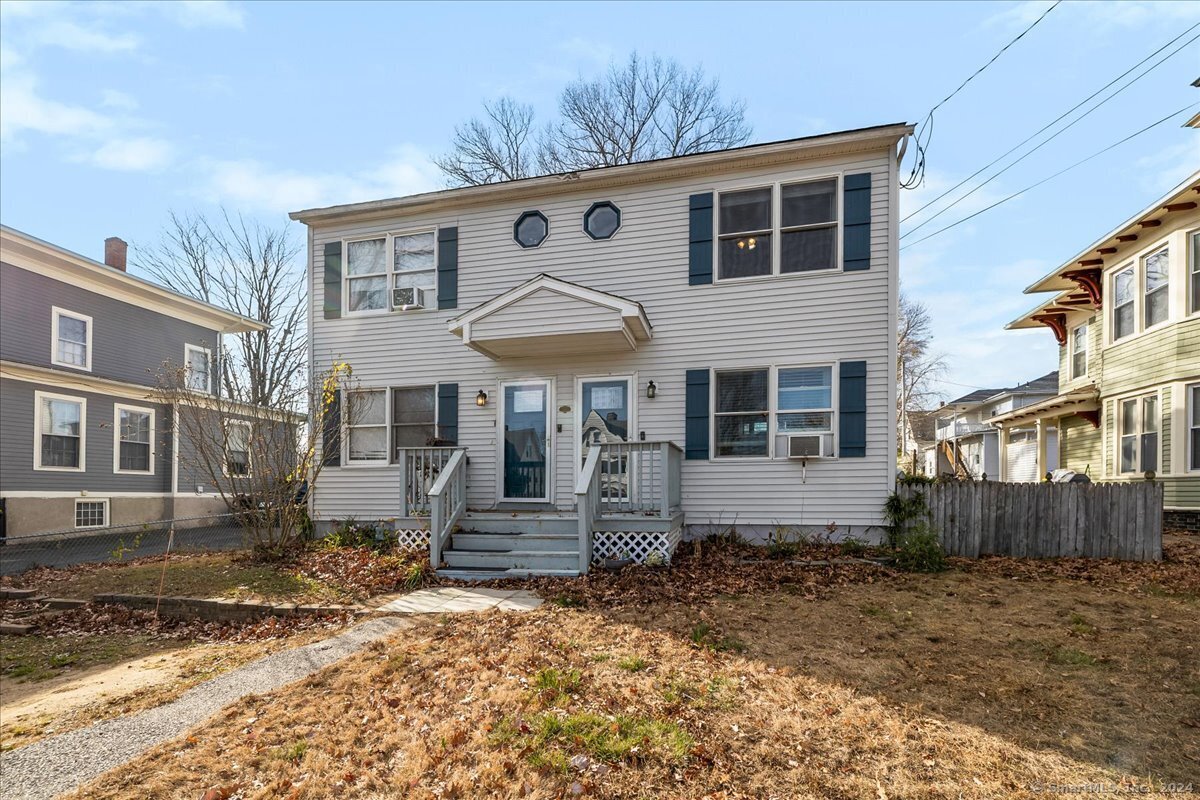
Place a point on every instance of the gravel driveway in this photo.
(60, 764)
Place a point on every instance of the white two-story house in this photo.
(596, 364)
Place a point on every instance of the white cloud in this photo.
(205, 13)
(139, 154)
(22, 108)
(1098, 15)
(255, 185)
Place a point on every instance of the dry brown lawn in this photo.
(970, 684)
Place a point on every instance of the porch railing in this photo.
(422, 466)
(587, 502)
(447, 501)
(639, 477)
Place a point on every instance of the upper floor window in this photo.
(1123, 317)
(59, 425)
(1194, 272)
(1139, 434)
(1079, 345)
(414, 263)
(602, 220)
(1157, 299)
(72, 334)
(197, 368)
(134, 432)
(806, 229)
(531, 229)
(370, 272)
(366, 275)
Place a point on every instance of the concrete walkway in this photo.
(451, 599)
(48, 768)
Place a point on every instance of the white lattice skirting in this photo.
(637, 545)
(412, 539)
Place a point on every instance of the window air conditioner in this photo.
(408, 297)
(810, 445)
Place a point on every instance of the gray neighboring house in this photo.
(82, 442)
(968, 444)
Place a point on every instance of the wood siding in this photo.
(814, 318)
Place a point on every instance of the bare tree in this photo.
(251, 270)
(917, 366)
(641, 110)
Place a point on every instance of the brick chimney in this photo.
(115, 251)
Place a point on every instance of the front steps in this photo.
(522, 547)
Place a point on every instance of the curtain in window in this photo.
(61, 427)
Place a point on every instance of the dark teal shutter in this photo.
(447, 269)
(331, 433)
(852, 409)
(447, 411)
(333, 280)
(856, 222)
(696, 425)
(700, 239)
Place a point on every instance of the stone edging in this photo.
(220, 608)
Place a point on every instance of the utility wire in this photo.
(1054, 135)
(1049, 125)
(917, 175)
(1051, 177)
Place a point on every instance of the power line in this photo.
(1056, 134)
(1051, 177)
(917, 175)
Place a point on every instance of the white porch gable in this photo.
(546, 316)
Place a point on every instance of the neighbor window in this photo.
(1123, 318)
(742, 416)
(60, 432)
(806, 229)
(237, 449)
(91, 513)
(198, 368)
(414, 410)
(1194, 273)
(1079, 345)
(72, 334)
(1193, 411)
(366, 275)
(1157, 298)
(134, 430)
(367, 425)
(1139, 434)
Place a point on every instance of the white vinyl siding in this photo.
(822, 318)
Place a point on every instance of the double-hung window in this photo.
(237, 448)
(1079, 354)
(396, 261)
(805, 227)
(1156, 268)
(1194, 272)
(1139, 434)
(743, 413)
(60, 432)
(1124, 320)
(134, 432)
(414, 417)
(805, 402)
(1193, 416)
(366, 426)
(72, 334)
(197, 368)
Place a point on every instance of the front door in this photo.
(526, 459)
(605, 416)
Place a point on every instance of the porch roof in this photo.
(547, 316)
(1076, 401)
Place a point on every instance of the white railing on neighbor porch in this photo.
(626, 478)
(447, 501)
(422, 466)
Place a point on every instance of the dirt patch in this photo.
(564, 702)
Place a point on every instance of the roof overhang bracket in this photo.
(1092, 416)
(1056, 323)
(1090, 281)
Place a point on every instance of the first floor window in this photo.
(805, 400)
(414, 411)
(1139, 434)
(1157, 269)
(1193, 393)
(1079, 351)
(237, 449)
(1194, 273)
(366, 425)
(366, 275)
(1123, 319)
(743, 413)
(60, 433)
(198, 369)
(134, 426)
(72, 339)
(91, 513)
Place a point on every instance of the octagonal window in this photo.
(531, 229)
(602, 220)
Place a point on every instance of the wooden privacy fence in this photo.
(1046, 520)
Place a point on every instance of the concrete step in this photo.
(496, 574)
(478, 540)
(510, 522)
(532, 560)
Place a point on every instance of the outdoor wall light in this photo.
(651, 390)
(481, 398)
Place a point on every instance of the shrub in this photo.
(633, 664)
(351, 533)
(782, 542)
(920, 550)
(853, 547)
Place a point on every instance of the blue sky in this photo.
(111, 115)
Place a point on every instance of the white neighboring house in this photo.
(728, 317)
(969, 444)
